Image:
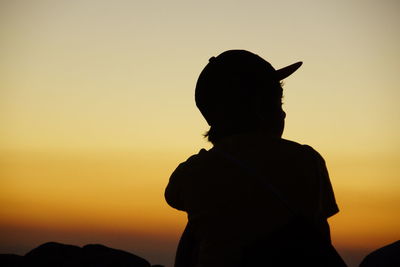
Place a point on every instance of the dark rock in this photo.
(54, 254)
(386, 256)
(102, 256)
(11, 260)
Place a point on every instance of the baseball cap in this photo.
(229, 82)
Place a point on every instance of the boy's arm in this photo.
(173, 193)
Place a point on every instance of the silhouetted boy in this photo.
(254, 199)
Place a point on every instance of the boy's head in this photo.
(239, 91)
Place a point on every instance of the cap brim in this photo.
(287, 71)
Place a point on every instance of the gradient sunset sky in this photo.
(97, 109)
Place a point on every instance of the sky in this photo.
(97, 109)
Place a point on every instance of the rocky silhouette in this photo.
(55, 254)
(387, 256)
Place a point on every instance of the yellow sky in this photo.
(97, 108)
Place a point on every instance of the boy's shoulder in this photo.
(194, 160)
(286, 147)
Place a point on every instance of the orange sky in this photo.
(97, 108)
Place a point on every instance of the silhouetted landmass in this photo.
(11, 260)
(55, 254)
(387, 256)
